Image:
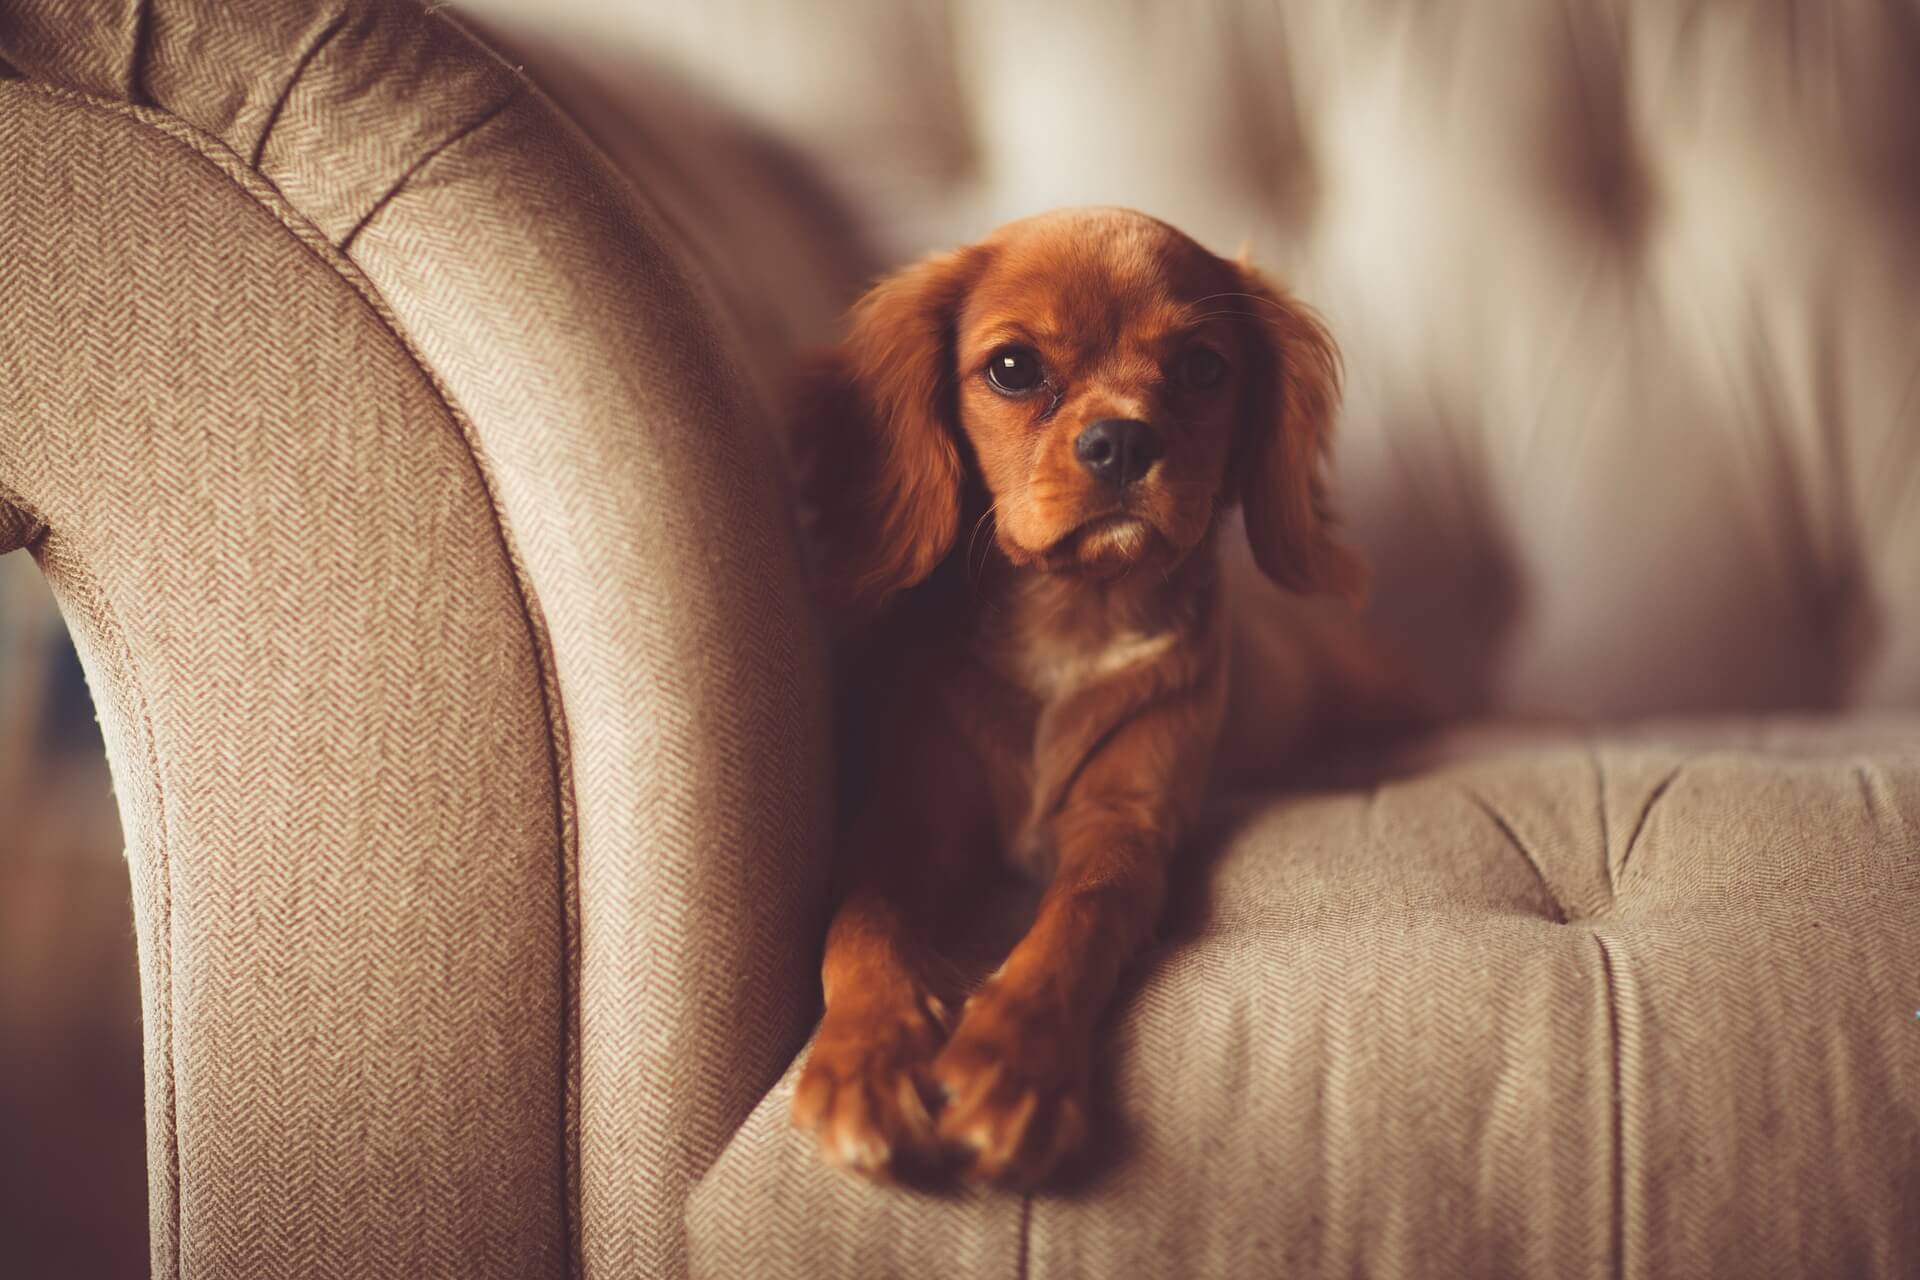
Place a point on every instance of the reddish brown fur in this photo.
(1042, 670)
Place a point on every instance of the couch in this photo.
(395, 423)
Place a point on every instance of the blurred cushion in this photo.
(1637, 1004)
(1629, 293)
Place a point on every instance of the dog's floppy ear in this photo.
(1293, 394)
(876, 437)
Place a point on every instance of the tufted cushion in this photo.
(1629, 293)
(441, 603)
(1639, 1004)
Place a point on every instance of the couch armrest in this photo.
(442, 606)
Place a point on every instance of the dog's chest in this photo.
(1055, 663)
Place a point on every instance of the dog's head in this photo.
(1110, 384)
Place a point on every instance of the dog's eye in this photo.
(1014, 371)
(1201, 369)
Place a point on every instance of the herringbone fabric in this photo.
(323, 707)
(1634, 1006)
(447, 625)
(440, 601)
(666, 562)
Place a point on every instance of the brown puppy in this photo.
(1020, 458)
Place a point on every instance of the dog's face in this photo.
(1100, 366)
(1112, 385)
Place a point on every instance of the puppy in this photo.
(1020, 460)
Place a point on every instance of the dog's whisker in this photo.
(1251, 297)
(972, 574)
(1255, 316)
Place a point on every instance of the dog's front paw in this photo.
(865, 1090)
(1015, 1081)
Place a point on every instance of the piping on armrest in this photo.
(18, 527)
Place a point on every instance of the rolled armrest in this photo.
(441, 604)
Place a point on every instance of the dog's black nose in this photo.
(1117, 451)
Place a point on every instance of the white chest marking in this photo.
(1055, 672)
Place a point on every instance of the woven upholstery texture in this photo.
(440, 598)
(1630, 1005)
(1627, 294)
(666, 560)
(323, 709)
(388, 453)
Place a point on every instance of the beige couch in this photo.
(400, 463)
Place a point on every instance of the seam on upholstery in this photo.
(1867, 797)
(326, 35)
(399, 184)
(142, 50)
(1560, 915)
(269, 197)
(36, 523)
(1026, 1236)
(1616, 1165)
(1653, 799)
(1600, 803)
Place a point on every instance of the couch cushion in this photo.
(1638, 1003)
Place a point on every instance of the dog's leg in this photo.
(866, 1093)
(1015, 1072)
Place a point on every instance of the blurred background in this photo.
(72, 1144)
(1626, 292)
